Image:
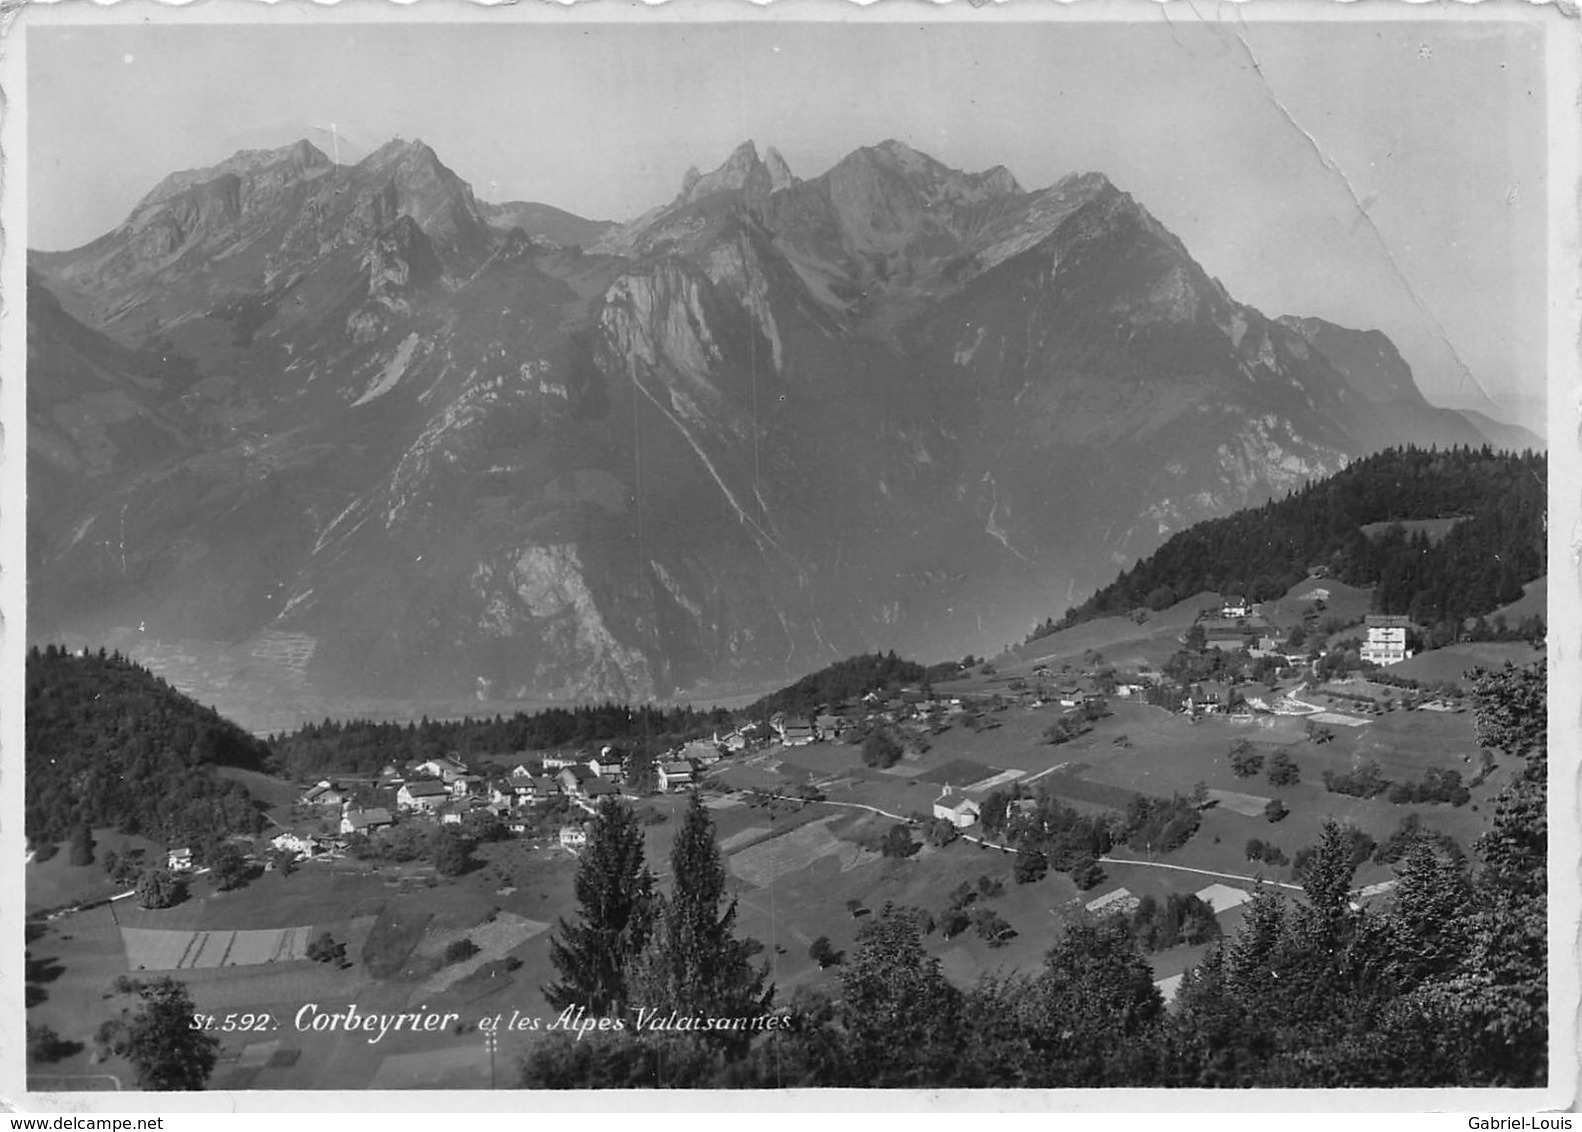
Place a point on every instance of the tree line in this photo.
(365, 747)
(849, 678)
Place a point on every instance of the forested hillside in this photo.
(108, 743)
(1480, 563)
(854, 676)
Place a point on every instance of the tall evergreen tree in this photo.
(694, 964)
(615, 894)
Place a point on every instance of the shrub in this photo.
(452, 851)
(159, 888)
(45, 1045)
(1087, 874)
(881, 751)
(941, 832)
(459, 949)
(1275, 810)
(1244, 761)
(324, 949)
(898, 842)
(1267, 852)
(228, 866)
(1030, 867)
(1364, 782)
(1283, 771)
(1436, 786)
(824, 954)
(992, 927)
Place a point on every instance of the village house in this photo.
(796, 733)
(527, 788)
(1071, 696)
(829, 726)
(466, 785)
(1233, 607)
(573, 837)
(1211, 696)
(179, 860)
(559, 761)
(454, 813)
(597, 787)
(673, 775)
(704, 752)
(959, 810)
(324, 793)
(446, 767)
(295, 843)
(365, 821)
(422, 796)
(501, 792)
(571, 778)
(1386, 642)
(606, 764)
(735, 742)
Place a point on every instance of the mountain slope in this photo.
(773, 422)
(1514, 438)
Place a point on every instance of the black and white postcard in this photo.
(710, 548)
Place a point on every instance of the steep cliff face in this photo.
(772, 422)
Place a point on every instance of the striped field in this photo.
(149, 949)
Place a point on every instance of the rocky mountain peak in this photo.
(999, 180)
(408, 178)
(299, 161)
(400, 150)
(780, 176)
(743, 169)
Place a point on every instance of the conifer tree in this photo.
(694, 963)
(614, 888)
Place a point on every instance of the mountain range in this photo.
(398, 442)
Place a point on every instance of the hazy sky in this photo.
(1437, 129)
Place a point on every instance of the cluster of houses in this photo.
(446, 790)
(1238, 622)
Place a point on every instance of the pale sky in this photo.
(1438, 129)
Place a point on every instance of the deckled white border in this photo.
(1565, 552)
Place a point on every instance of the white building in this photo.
(295, 843)
(958, 810)
(1386, 639)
